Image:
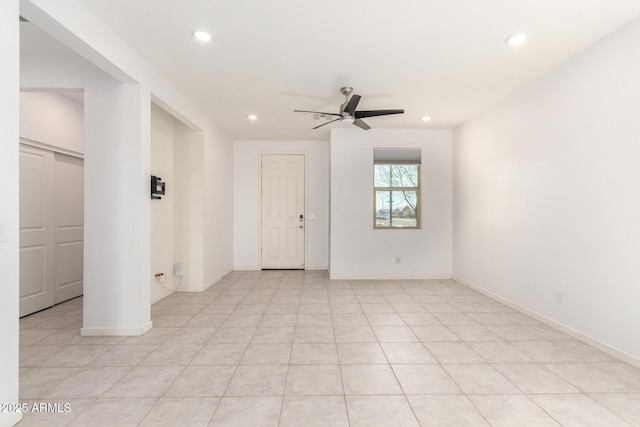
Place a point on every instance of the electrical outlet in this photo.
(559, 296)
(177, 269)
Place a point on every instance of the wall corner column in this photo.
(117, 210)
(9, 206)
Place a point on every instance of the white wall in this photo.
(52, 119)
(216, 189)
(546, 189)
(117, 210)
(116, 201)
(124, 150)
(189, 187)
(163, 141)
(76, 26)
(177, 226)
(359, 251)
(246, 201)
(9, 258)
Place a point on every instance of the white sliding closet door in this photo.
(69, 197)
(51, 228)
(37, 230)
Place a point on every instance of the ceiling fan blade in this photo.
(317, 112)
(351, 106)
(361, 124)
(374, 113)
(324, 124)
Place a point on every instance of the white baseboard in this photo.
(625, 357)
(217, 279)
(254, 268)
(146, 328)
(9, 419)
(99, 332)
(210, 284)
(387, 277)
(162, 297)
(191, 290)
(251, 268)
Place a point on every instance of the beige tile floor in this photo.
(292, 348)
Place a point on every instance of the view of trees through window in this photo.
(396, 195)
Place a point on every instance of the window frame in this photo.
(418, 225)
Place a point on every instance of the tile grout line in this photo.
(219, 402)
(387, 289)
(344, 394)
(286, 377)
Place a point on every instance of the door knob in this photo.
(301, 226)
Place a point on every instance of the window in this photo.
(396, 188)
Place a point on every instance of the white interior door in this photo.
(283, 210)
(51, 228)
(37, 230)
(69, 220)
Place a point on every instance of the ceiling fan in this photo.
(348, 113)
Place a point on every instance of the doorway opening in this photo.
(51, 198)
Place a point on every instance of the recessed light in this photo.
(252, 117)
(516, 39)
(425, 118)
(202, 35)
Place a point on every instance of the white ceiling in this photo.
(446, 59)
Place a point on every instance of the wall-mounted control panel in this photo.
(157, 187)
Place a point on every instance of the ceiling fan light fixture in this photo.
(516, 39)
(347, 120)
(202, 35)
